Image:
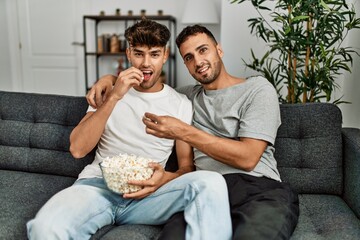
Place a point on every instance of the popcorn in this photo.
(118, 170)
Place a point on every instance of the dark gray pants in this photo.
(261, 208)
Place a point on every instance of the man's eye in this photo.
(187, 58)
(202, 50)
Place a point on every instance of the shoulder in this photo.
(261, 85)
(259, 81)
(181, 105)
(190, 90)
(177, 94)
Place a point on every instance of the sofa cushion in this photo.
(34, 133)
(325, 217)
(309, 147)
(126, 232)
(22, 195)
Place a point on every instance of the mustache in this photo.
(203, 64)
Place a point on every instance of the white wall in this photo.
(236, 39)
(350, 87)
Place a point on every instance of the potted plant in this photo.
(306, 46)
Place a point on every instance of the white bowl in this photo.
(116, 174)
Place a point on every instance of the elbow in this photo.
(248, 165)
(76, 153)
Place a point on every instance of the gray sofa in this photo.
(319, 158)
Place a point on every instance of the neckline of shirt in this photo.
(150, 95)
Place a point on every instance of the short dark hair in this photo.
(147, 32)
(191, 31)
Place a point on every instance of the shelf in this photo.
(114, 54)
(106, 54)
(129, 18)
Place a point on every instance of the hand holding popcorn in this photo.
(118, 170)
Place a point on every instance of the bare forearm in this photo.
(172, 175)
(236, 153)
(243, 153)
(87, 134)
(182, 171)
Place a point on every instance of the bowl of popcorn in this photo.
(118, 170)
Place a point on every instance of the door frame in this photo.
(14, 45)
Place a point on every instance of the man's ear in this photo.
(219, 50)
(128, 55)
(166, 54)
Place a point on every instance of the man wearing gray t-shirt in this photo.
(233, 132)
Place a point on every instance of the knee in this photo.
(212, 181)
(42, 229)
(37, 229)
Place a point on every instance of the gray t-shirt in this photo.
(249, 109)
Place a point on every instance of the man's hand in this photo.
(103, 88)
(100, 91)
(164, 126)
(151, 185)
(127, 79)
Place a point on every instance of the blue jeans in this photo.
(79, 211)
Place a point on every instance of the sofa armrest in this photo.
(351, 143)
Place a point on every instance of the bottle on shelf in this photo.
(114, 44)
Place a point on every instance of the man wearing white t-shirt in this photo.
(116, 127)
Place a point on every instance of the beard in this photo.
(212, 76)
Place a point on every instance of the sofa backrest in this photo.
(35, 129)
(308, 147)
(34, 133)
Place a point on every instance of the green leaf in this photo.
(324, 5)
(299, 18)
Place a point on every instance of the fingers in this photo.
(148, 188)
(150, 117)
(102, 88)
(138, 195)
(151, 127)
(98, 97)
(129, 78)
(99, 91)
(132, 76)
(106, 92)
(150, 185)
(152, 123)
(152, 180)
(90, 98)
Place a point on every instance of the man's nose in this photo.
(198, 60)
(146, 61)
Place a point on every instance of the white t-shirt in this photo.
(125, 132)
